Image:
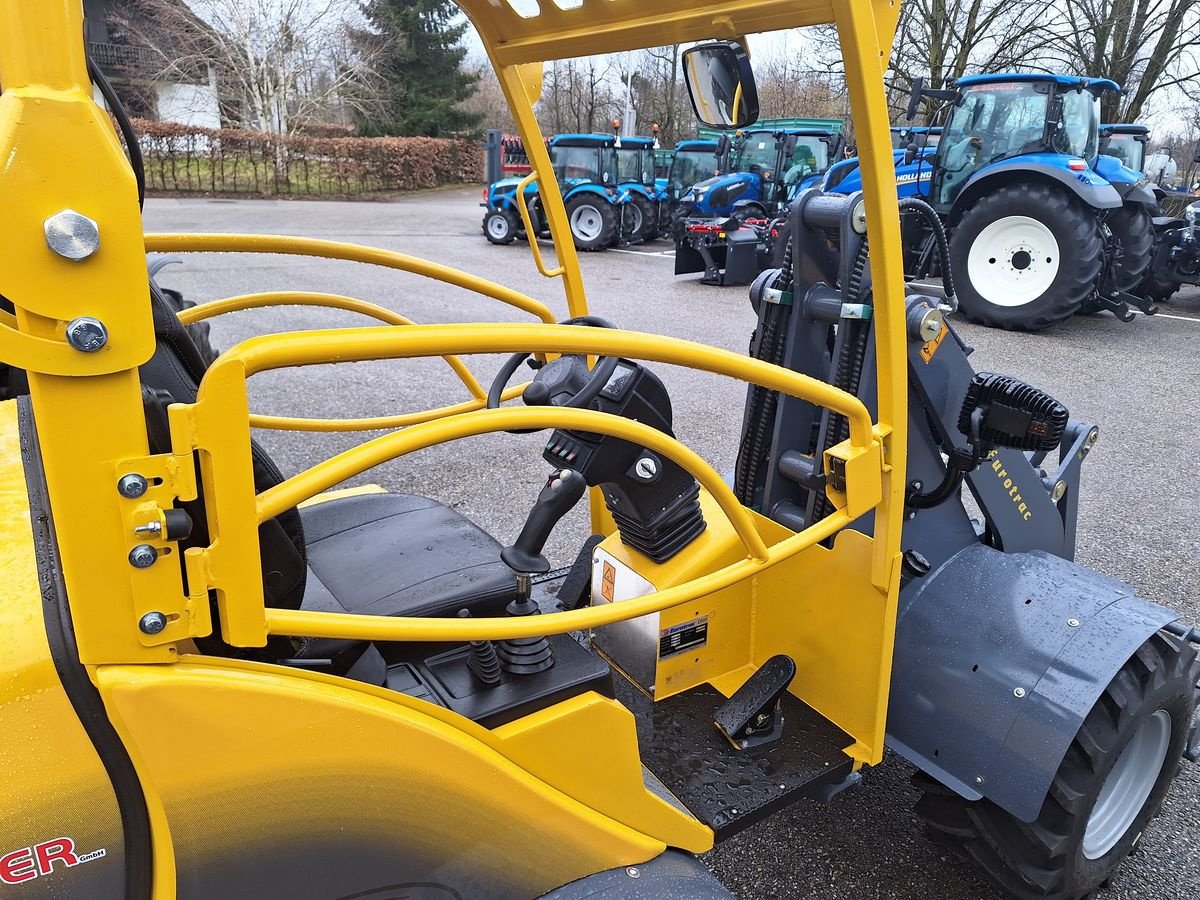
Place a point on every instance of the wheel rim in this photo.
(636, 218)
(497, 226)
(586, 222)
(1128, 785)
(1013, 261)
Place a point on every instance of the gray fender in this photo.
(1137, 193)
(999, 657)
(1087, 185)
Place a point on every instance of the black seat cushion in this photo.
(401, 555)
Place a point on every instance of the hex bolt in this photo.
(152, 623)
(87, 334)
(132, 486)
(1072, 623)
(72, 235)
(1018, 693)
(143, 556)
(154, 528)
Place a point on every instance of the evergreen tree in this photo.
(418, 62)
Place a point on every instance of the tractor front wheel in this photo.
(1025, 256)
(500, 226)
(1108, 787)
(593, 222)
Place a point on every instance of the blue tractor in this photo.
(635, 176)
(692, 161)
(585, 166)
(1041, 224)
(1127, 143)
(768, 168)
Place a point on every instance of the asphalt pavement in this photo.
(1139, 381)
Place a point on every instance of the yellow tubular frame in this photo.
(350, 304)
(245, 620)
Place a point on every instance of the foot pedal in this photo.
(575, 590)
(752, 717)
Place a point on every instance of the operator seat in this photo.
(377, 554)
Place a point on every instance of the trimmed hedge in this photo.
(182, 159)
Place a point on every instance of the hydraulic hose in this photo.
(132, 147)
(941, 241)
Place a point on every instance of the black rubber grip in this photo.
(561, 493)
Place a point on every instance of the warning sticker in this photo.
(930, 348)
(683, 637)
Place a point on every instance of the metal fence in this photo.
(186, 160)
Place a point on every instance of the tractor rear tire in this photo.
(1133, 228)
(645, 219)
(501, 226)
(1157, 289)
(593, 222)
(1110, 784)
(1025, 257)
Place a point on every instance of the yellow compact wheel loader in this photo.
(220, 682)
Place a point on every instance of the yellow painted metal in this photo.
(865, 30)
(554, 744)
(301, 246)
(329, 301)
(395, 759)
(530, 231)
(52, 776)
(521, 89)
(608, 26)
(58, 151)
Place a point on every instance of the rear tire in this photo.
(645, 219)
(1024, 257)
(1084, 831)
(500, 226)
(593, 222)
(1133, 229)
(1157, 289)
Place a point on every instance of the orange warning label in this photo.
(608, 581)
(927, 350)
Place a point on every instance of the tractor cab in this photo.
(693, 162)
(1127, 143)
(1001, 117)
(580, 159)
(635, 177)
(767, 169)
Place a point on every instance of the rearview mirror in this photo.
(721, 85)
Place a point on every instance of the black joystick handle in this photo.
(562, 491)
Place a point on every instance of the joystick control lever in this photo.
(563, 490)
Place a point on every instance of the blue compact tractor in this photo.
(1042, 225)
(645, 209)
(585, 166)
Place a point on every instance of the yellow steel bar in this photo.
(314, 298)
(300, 623)
(523, 209)
(376, 423)
(521, 85)
(865, 29)
(32, 44)
(337, 469)
(319, 347)
(609, 26)
(302, 246)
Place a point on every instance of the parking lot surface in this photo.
(1140, 382)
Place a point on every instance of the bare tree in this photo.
(578, 95)
(1146, 46)
(284, 62)
(488, 99)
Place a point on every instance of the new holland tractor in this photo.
(223, 682)
(585, 169)
(692, 161)
(726, 228)
(1042, 225)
